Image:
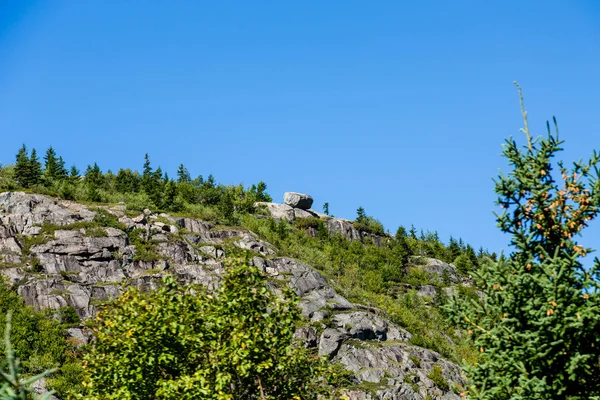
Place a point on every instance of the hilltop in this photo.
(370, 300)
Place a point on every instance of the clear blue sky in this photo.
(400, 107)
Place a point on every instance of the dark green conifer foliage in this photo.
(127, 181)
(453, 249)
(22, 167)
(183, 174)
(35, 169)
(361, 215)
(538, 331)
(413, 232)
(152, 183)
(326, 208)
(51, 165)
(62, 170)
(170, 202)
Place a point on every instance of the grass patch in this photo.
(145, 250)
(438, 379)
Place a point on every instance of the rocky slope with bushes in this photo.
(60, 253)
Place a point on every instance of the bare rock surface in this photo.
(84, 268)
(298, 200)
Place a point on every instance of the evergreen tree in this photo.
(210, 182)
(51, 166)
(127, 181)
(361, 215)
(93, 175)
(22, 167)
(261, 192)
(35, 169)
(453, 249)
(470, 253)
(62, 170)
(326, 208)
(538, 330)
(183, 175)
(170, 202)
(413, 232)
(74, 174)
(93, 181)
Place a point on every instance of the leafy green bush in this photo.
(14, 385)
(145, 250)
(437, 377)
(37, 338)
(369, 225)
(309, 222)
(183, 343)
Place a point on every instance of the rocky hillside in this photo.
(61, 253)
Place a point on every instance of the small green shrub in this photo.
(437, 376)
(145, 250)
(309, 222)
(204, 346)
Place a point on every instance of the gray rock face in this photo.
(298, 200)
(330, 341)
(365, 326)
(439, 270)
(85, 268)
(401, 370)
(278, 211)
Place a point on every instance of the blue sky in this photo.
(399, 107)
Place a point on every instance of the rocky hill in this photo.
(62, 253)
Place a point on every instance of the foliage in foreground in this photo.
(183, 343)
(538, 331)
(14, 385)
(38, 340)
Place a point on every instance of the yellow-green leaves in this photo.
(182, 343)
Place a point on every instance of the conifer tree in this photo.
(453, 249)
(361, 215)
(62, 170)
(74, 174)
(51, 166)
(35, 169)
(22, 167)
(413, 232)
(183, 175)
(538, 328)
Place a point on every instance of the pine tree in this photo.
(22, 167)
(261, 192)
(413, 232)
(62, 170)
(35, 169)
(453, 249)
(127, 181)
(74, 174)
(183, 175)
(51, 166)
(326, 208)
(361, 215)
(148, 177)
(93, 175)
(538, 329)
(170, 202)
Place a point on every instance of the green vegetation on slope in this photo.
(374, 276)
(39, 340)
(377, 276)
(183, 343)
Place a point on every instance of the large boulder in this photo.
(298, 200)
